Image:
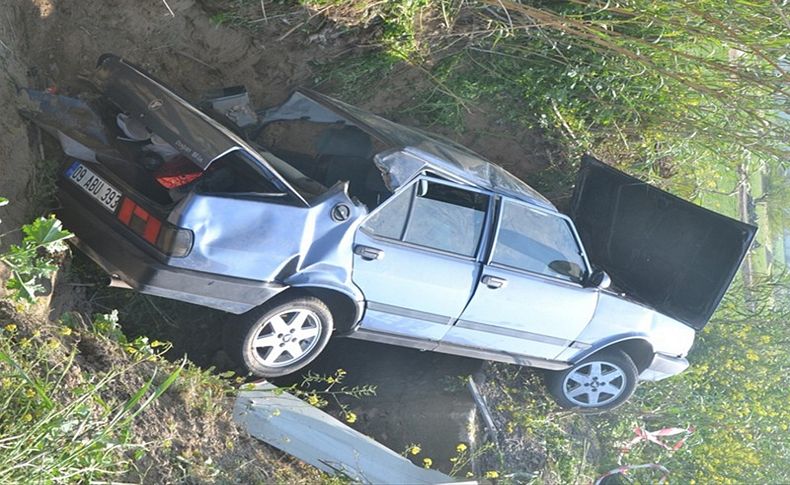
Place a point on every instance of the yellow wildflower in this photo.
(351, 417)
(66, 331)
(11, 328)
(30, 393)
(427, 462)
(313, 400)
(492, 474)
(27, 418)
(415, 449)
(460, 448)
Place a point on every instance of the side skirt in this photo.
(403, 341)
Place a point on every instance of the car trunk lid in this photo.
(675, 256)
(193, 133)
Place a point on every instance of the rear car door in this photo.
(530, 299)
(416, 259)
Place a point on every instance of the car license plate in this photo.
(95, 186)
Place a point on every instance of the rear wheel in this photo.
(279, 339)
(598, 383)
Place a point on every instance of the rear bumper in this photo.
(113, 247)
(664, 366)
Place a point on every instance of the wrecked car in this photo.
(314, 218)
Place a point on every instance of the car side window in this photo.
(538, 242)
(390, 220)
(435, 216)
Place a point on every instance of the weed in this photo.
(57, 424)
(353, 79)
(36, 258)
(318, 390)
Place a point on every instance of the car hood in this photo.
(663, 251)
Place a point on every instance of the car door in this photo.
(416, 259)
(530, 299)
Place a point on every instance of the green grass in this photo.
(354, 79)
(59, 424)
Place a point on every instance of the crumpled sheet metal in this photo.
(304, 431)
(73, 121)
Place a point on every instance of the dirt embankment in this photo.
(46, 43)
(17, 166)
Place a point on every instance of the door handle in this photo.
(368, 253)
(494, 282)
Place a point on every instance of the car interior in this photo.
(329, 153)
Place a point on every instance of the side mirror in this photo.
(599, 279)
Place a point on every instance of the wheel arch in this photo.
(346, 311)
(638, 348)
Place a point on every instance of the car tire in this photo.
(599, 383)
(279, 339)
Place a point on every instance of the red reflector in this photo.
(125, 214)
(152, 230)
(177, 173)
(141, 213)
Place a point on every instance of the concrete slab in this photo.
(299, 429)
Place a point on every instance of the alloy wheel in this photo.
(594, 384)
(286, 337)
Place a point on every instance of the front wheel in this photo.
(598, 383)
(276, 340)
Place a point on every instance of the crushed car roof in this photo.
(436, 153)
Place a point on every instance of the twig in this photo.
(290, 31)
(216, 71)
(172, 14)
(562, 120)
(483, 408)
(263, 11)
(162, 314)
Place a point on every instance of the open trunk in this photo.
(153, 140)
(668, 253)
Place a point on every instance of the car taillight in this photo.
(171, 240)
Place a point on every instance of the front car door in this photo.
(416, 261)
(530, 300)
